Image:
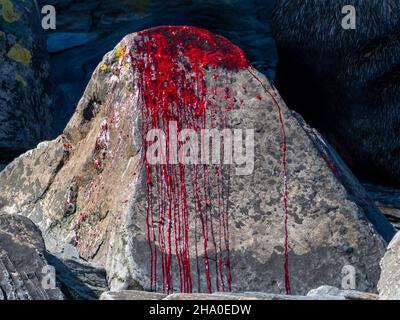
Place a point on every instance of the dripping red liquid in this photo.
(170, 62)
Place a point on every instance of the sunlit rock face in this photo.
(25, 91)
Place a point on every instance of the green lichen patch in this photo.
(20, 54)
(7, 11)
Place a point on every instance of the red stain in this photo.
(285, 181)
(170, 63)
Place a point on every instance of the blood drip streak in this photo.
(172, 91)
(285, 182)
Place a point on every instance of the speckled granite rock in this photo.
(332, 222)
(22, 259)
(26, 104)
(389, 282)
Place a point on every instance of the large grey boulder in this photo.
(100, 206)
(23, 267)
(26, 105)
(389, 282)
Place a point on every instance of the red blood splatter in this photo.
(285, 181)
(331, 165)
(169, 64)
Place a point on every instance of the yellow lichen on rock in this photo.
(103, 67)
(20, 79)
(7, 11)
(120, 52)
(20, 54)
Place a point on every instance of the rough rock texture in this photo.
(100, 206)
(354, 76)
(322, 293)
(389, 282)
(22, 259)
(96, 27)
(328, 291)
(78, 279)
(25, 96)
(131, 295)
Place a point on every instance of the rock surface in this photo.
(328, 291)
(387, 200)
(22, 259)
(322, 293)
(78, 279)
(389, 282)
(26, 104)
(100, 206)
(131, 295)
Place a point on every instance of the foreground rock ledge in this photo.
(322, 293)
(101, 208)
(23, 266)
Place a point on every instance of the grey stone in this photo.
(78, 279)
(204, 296)
(332, 221)
(389, 282)
(131, 295)
(329, 291)
(387, 199)
(23, 266)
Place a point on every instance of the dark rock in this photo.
(26, 104)
(387, 200)
(79, 280)
(354, 100)
(60, 41)
(22, 261)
